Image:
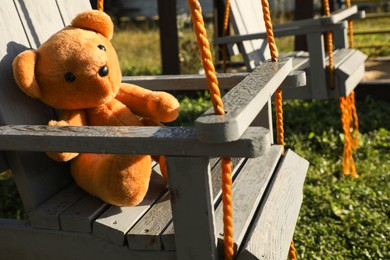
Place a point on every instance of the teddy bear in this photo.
(77, 72)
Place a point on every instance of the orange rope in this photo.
(350, 26)
(224, 32)
(329, 41)
(204, 47)
(100, 5)
(278, 94)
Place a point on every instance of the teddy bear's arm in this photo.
(68, 118)
(159, 106)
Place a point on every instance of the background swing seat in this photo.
(179, 222)
(249, 39)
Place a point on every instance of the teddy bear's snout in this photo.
(103, 71)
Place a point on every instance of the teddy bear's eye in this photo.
(70, 77)
(102, 47)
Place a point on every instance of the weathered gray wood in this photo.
(248, 189)
(40, 21)
(351, 72)
(31, 171)
(48, 214)
(113, 224)
(167, 236)
(315, 44)
(184, 82)
(20, 241)
(145, 235)
(129, 140)
(242, 104)
(274, 226)
(340, 15)
(192, 208)
(70, 8)
(79, 217)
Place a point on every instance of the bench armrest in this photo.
(242, 103)
(170, 141)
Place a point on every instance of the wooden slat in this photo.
(248, 189)
(31, 171)
(184, 82)
(113, 224)
(275, 223)
(145, 235)
(40, 20)
(242, 103)
(192, 208)
(79, 217)
(20, 241)
(70, 8)
(129, 140)
(167, 236)
(47, 215)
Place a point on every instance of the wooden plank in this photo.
(192, 207)
(158, 223)
(184, 82)
(31, 171)
(169, 41)
(79, 217)
(274, 226)
(316, 49)
(40, 21)
(248, 189)
(47, 244)
(175, 141)
(242, 103)
(145, 234)
(340, 15)
(70, 8)
(113, 224)
(47, 215)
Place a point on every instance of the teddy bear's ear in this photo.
(95, 20)
(24, 73)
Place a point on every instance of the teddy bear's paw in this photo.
(61, 157)
(165, 106)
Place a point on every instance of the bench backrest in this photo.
(247, 18)
(24, 25)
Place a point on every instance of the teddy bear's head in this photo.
(76, 68)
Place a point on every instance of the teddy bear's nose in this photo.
(103, 71)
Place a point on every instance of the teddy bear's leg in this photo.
(120, 180)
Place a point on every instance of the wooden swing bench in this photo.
(246, 17)
(182, 221)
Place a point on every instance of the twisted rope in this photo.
(100, 5)
(207, 62)
(329, 42)
(278, 94)
(224, 32)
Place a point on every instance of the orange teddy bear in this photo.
(77, 70)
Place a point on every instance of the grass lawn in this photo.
(341, 218)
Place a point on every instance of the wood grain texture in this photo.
(20, 241)
(31, 171)
(242, 103)
(70, 8)
(177, 141)
(47, 215)
(113, 224)
(79, 217)
(248, 189)
(40, 21)
(184, 82)
(192, 208)
(168, 235)
(274, 226)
